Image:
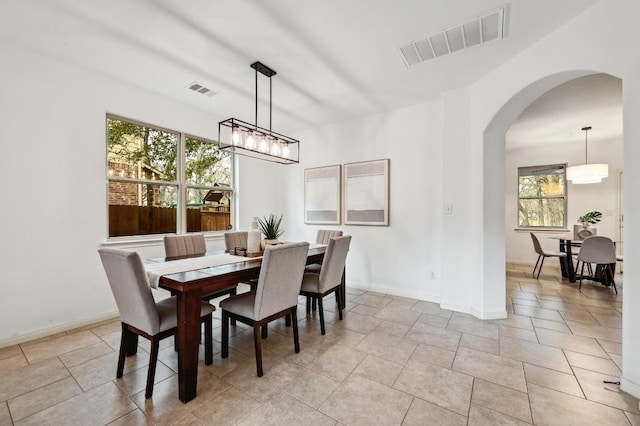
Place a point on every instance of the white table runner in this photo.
(157, 270)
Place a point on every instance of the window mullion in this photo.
(182, 187)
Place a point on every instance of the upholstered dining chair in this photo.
(140, 314)
(276, 296)
(318, 285)
(235, 239)
(322, 237)
(601, 251)
(543, 254)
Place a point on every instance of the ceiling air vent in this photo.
(199, 88)
(491, 26)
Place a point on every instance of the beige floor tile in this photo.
(387, 346)
(42, 398)
(101, 405)
(562, 306)
(337, 361)
(106, 328)
(31, 377)
(282, 409)
(633, 418)
(596, 390)
(552, 379)
(525, 302)
(550, 407)
(82, 355)
(7, 365)
(5, 417)
(586, 345)
(612, 321)
(394, 328)
(136, 380)
(611, 347)
(593, 363)
(516, 321)
(222, 366)
(425, 413)
(379, 370)
(584, 317)
(550, 325)
(401, 303)
(37, 351)
(441, 386)
(468, 324)
(496, 369)
(481, 416)
(101, 370)
(480, 344)
(522, 295)
(431, 309)
(534, 353)
(541, 313)
(599, 332)
(360, 323)
(426, 354)
(228, 408)
(434, 320)
(365, 310)
(360, 401)
(499, 398)
(277, 375)
(436, 336)
(372, 300)
(400, 316)
(518, 333)
(10, 352)
(311, 388)
(133, 418)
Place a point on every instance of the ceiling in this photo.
(335, 60)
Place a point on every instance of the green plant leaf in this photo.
(590, 218)
(270, 226)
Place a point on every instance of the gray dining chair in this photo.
(322, 237)
(184, 245)
(275, 297)
(543, 254)
(235, 239)
(601, 251)
(318, 285)
(141, 315)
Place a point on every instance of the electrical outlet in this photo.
(433, 275)
(608, 212)
(448, 209)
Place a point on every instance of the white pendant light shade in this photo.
(587, 173)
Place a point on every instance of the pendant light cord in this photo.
(586, 130)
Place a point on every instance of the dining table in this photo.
(192, 277)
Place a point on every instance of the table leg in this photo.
(188, 341)
(566, 266)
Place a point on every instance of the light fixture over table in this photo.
(587, 173)
(240, 137)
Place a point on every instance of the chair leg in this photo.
(233, 292)
(294, 324)
(258, 348)
(540, 270)
(132, 342)
(153, 360)
(612, 277)
(123, 351)
(536, 267)
(339, 302)
(208, 339)
(265, 331)
(287, 320)
(225, 334)
(313, 303)
(321, 312)
(308, 305)
(581, 274)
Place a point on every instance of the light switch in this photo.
(448, 209)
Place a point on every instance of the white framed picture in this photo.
(366, 193)
(322, 195)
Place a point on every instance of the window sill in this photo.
(544, 230)
(152, 241)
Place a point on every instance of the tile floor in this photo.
(391, 361)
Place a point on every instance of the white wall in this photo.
(581, 198)
(399, 258)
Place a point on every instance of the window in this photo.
(542, 197)
(161, 181)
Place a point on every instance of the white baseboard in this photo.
(457, 308)
(630, 387)
(44, 332)
(488, 315)
(378, 288)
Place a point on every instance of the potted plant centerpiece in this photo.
(270, 227)
(585, 230)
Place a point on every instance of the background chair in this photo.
(184, 245)
(140, 314)
(235, 239)
(329, 279)
(542, 254)
(601, 251)
(323, 237)
(276, 296)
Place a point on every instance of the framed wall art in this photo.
(322, 195)
(366, 193)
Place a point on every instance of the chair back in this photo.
(333, 263)
(597, 249)
(235, 239)
(280, 278)
(536, 244)
(324, 235)
(130, 286)
(184, 245)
